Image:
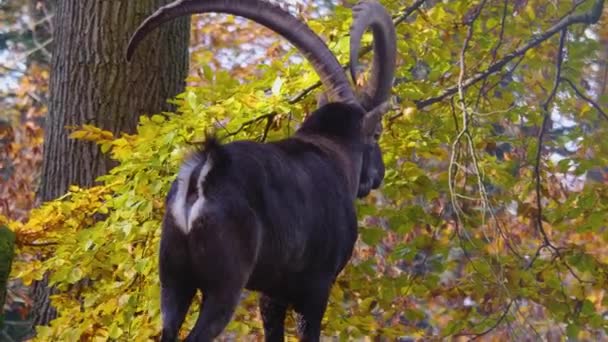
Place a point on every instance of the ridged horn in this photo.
(371, 14)
(271, 16)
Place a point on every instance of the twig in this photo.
(501, 35)
(509, 72)
(539, 210)
(40, 47)
(465, 133)
(18, 323)
(541, 134)
(9, 69)
(590, 17)
(7, 336)
(494, 50)
(462, 132)
(558, 67)
(37, 98)
(249, 123)
(269, 122)
(408, 11)
(306, 91)
(496, 324)
(582, 96)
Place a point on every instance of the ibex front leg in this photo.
(310, 308)
(273, 314)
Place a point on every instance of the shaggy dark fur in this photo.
(279, 218)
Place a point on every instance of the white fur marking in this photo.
(197, 207)
(178, 208)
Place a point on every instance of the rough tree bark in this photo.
(91, 83)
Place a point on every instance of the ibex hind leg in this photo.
(175, 301)
(226, 249)
(177, 286)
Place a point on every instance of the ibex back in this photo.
(279, 217)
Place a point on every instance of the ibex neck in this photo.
(344, 155)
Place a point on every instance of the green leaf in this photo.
(372, 236)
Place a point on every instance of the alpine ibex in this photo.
(277, 217)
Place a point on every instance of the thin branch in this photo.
(10, 69)
(306, 91)
(465, 126)
(582, 96)
(536, 256)
(501, 36)
(508, 73)
(40, 47)
(590, 17)
(465, 133)
(496, 324)
(541, 134)
(571, 270)
(539, 211)
(408, 11)
(7, 336)
(269, 122)
(250, 122)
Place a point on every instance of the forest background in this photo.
(491, 222)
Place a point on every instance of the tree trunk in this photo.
(91, 83)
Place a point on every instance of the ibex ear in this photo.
(371, 118)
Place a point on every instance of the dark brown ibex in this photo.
(279, 217)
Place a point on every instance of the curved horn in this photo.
(372, 117)
(273, 17)
(371, 14)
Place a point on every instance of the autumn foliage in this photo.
(492, 220)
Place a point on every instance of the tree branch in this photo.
(408, 11)
(496, 324)
(10, 69)
(582, 96)
(541, 134)
(501, 37)
(269, 116)
(269, 122)
(590, 17)
(539, 210)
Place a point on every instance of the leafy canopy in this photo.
(455, 243)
